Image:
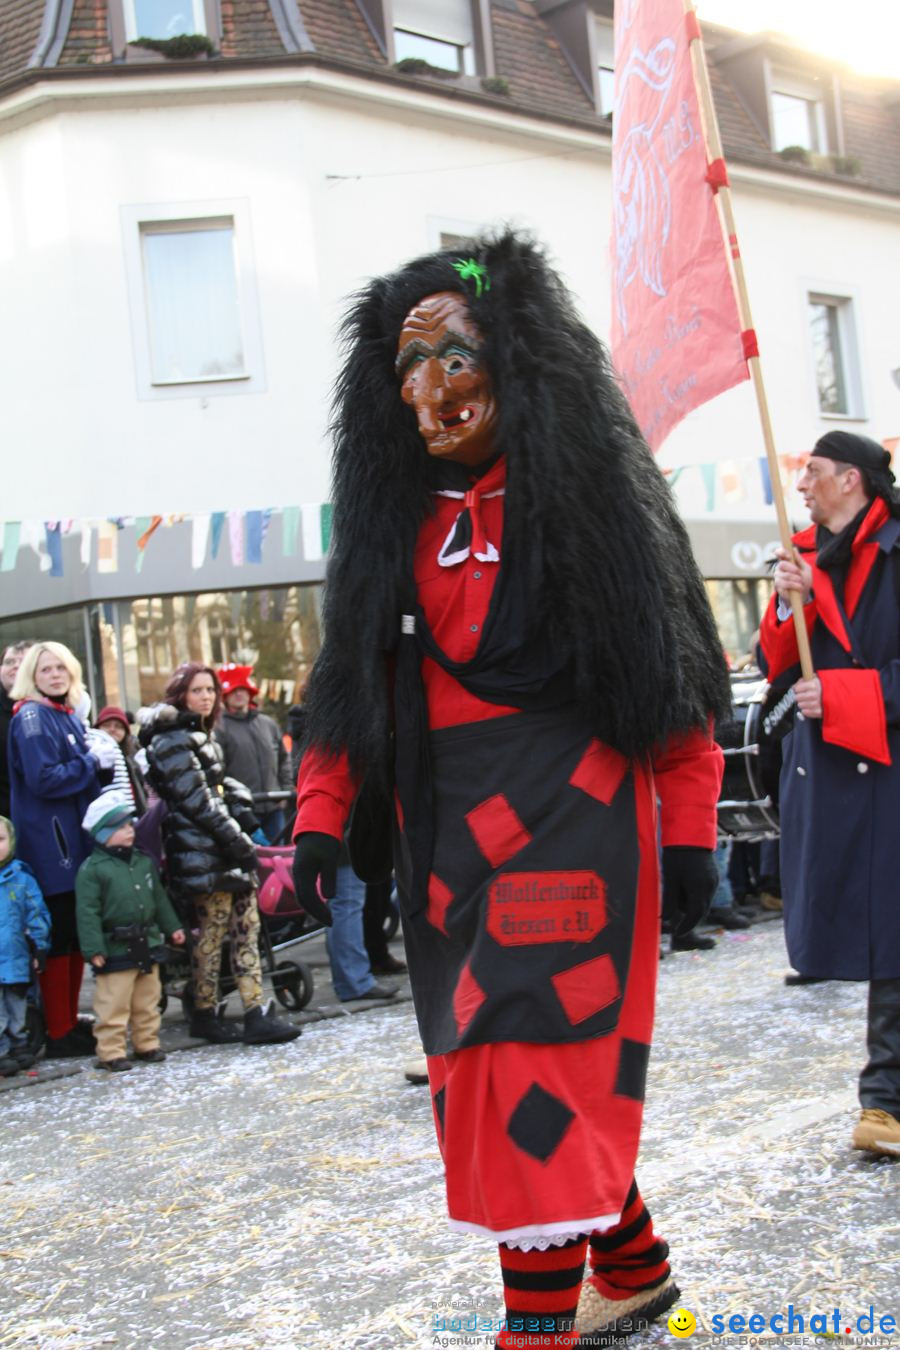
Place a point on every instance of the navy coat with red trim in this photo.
(840, 781)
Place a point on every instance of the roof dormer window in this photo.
(798, 114)
(163, 18)
(605, 51)
(440, 32)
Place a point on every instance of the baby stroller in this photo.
(282, 924)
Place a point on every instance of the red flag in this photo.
(676, 335)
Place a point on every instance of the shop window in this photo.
(738, 607)
(834, 353)
(798, 114)
(605, 48)
(440, 32)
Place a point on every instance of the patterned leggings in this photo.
(237, 917)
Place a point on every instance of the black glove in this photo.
(689, 881)
(40, 962)
(316, 858)
(242, 852)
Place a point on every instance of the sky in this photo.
(864, 34)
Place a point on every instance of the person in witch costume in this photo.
(840, 777)
(519, 655)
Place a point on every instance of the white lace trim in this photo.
(540, 1235)
(542, 1243)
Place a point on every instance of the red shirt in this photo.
(455, 601)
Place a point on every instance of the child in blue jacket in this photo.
(24, 941)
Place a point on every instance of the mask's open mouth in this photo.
(458, 418)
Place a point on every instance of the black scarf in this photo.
(834, 551)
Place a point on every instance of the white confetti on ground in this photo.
(247, 1199)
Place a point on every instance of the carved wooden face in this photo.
(444, 380)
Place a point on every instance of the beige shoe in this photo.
(774, 903)
(602, 1321)
(878, 1132)
(416, 1071)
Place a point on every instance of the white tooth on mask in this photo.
(465, 415)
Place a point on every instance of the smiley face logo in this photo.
(682, 1323)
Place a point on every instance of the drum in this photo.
(748, 803)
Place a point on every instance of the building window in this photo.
(835, 361)
(193, 309)
(798, 115)
(163, 18)
(440, 32)
(605, 49)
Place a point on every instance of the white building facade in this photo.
(178, 239)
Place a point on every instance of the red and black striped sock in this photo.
(630, 1257)
(541, 1291)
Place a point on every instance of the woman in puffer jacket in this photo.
(210, 857)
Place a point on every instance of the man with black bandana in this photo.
(840, 782)
(511, 594)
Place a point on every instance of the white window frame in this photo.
(471, 60)
(846, 302)
(794, 86)
(130, 16)
(252, 379)
(605, 27)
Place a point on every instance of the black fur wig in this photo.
(589, 525)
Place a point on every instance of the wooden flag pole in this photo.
(714, 142)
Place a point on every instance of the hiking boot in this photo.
(23, 1056)
(262, 1027)
(114, 1065)
(878, 1132)
(150, 1056)
(606, 1321)
(773, 903)
(375, 991)
(9, 1067)
(207, 1026)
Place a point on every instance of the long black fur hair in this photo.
(589, 523)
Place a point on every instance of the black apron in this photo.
(527, 933)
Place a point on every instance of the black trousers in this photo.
(879, 1082)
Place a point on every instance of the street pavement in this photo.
(290, 1198)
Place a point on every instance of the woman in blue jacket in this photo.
(53, 779)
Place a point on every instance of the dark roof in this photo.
(20, 27)
(540, 78)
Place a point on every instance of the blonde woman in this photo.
(53, 779)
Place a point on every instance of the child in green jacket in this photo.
(123, 912)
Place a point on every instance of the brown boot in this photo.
(878, 1132)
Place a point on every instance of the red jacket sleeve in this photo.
(778, 638)
(325, 793)
(688, 773)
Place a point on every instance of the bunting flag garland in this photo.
(702, 489)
